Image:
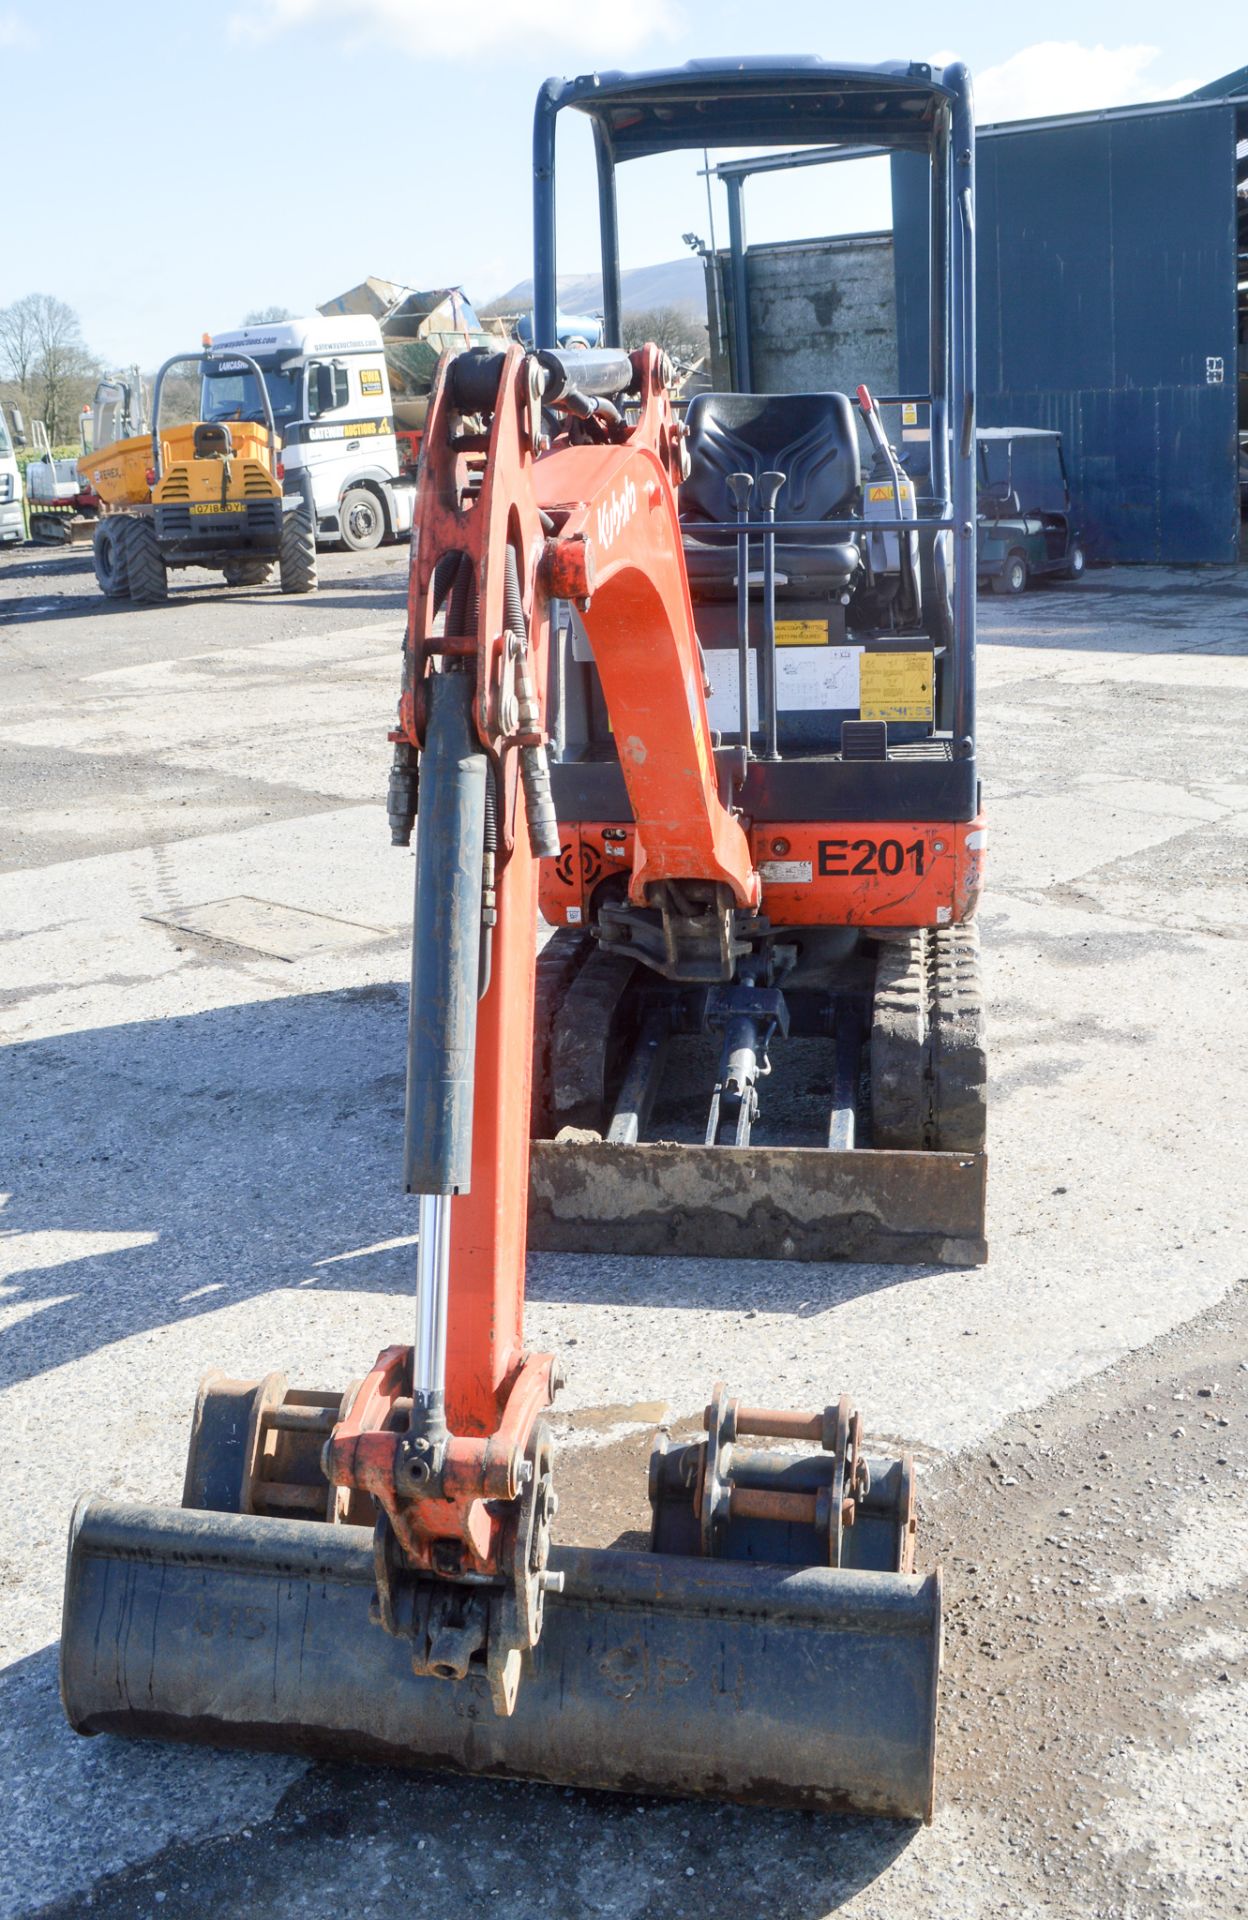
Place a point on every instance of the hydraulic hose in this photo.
(539, 804)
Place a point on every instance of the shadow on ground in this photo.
(254, 1147)
(365, 598)
(1125, 610)
(359, 1840)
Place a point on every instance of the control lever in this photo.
(741, 486)
(769, 485)
(907, 546)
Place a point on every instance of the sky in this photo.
(189, 163)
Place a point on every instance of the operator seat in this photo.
(810, 438)
(213, 441)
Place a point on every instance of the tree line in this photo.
(48, 371)
(46, 368)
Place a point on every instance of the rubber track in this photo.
(586, 1041)
(298, 554)
(928, 1066)
(557, 966)
(145, 569)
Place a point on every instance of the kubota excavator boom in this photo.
(776, 1644)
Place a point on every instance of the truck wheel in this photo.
(145, 567)
(297, 557)
(1013, 575)
(361, 520)
(247, 573)
(1076, 561)
(108, 557)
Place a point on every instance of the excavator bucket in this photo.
(775, 1645)
(790, 1686)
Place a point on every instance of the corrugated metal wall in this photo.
(1106, 287)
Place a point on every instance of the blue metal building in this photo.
(1112, 277)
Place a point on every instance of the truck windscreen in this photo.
(234, 393)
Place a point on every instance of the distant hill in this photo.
(673, 283)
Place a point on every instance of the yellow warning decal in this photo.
(879, 493)
(909, 414)
(801, 633)
(895, 686)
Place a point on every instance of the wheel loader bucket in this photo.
(803, 1687)
(757, 1203)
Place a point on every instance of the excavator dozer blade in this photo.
(806, 1687)
(757, 1203)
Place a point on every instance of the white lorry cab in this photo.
(330, 394)
(12, 525)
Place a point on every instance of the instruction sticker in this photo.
(896, 686)
(909, 414)
(801, 633)
(723, 704)
(809, 679)
(816, 679)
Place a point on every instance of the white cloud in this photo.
(1062, 76)
(13, 30)
(432, 29)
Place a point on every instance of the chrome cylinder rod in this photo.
(432, 1275)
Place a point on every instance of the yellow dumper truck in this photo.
(208, 494)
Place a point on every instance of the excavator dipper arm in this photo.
(620, 540)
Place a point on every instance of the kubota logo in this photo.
(616, 514)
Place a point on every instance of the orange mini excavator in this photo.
(372, 1572)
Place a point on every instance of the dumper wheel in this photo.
(928, 1066)
(558, 963)
(108, 557)
(297, 559)
(145, 567)
(247, 573)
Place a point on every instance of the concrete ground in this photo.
(201, 1169)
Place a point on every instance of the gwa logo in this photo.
(616, 513)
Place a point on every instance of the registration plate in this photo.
(215, 506)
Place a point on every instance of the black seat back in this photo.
(213, 441)
(809, 437)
